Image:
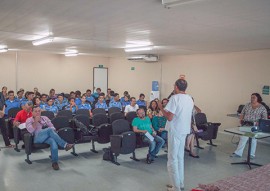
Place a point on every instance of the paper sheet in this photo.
(22, 126)
(149, 136)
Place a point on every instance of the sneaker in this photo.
(235, 155)
(69, 146)
(252, 157)
(169, 185)
(55, 166)
(148, 160)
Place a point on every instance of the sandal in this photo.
(10, 146)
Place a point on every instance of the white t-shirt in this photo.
(130, 108)
(181, 105)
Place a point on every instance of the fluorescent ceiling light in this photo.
(139, 49)
(71, 54)
(172, 3)
(42, 41)
(3, 49)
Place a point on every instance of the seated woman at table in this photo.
(252, 112)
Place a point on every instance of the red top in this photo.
(22, 116)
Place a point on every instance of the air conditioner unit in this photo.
(144, 58)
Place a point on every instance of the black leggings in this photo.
(4, 131)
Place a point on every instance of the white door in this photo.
(100, 80)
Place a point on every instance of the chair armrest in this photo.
(28, 142)
(116, 142)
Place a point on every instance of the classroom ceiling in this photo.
(106, 27)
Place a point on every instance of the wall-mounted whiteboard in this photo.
(100, 80)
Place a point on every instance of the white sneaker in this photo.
(169, 185)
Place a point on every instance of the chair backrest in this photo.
(66, 113)
(112, 110)
(99, 110)
(120, 126)
(12, 112)
(83, 112)
(200, 118)
(60, 122)
(130, 116)
(48, 114)
(84, 119)
(240, 108)
(116, 116)
(99, 119)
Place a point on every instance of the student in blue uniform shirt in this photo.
(72, 106)
(50, 106)
(11, 102)
(89, 98)
(78, 100)
(43, 100)
(96, 94)
(20, 97)
(122, 99)
(141, 101)
(85, 105)
(101, 103)
(37, 102)
(60, 102)
(115, 102)
(126, 101)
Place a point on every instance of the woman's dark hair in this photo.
(259, 98)
(35, 100)
(150, 106)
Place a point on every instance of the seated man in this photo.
(115, 102)
(96, 94)
(36, 124)
(125, 101)
(11, 102)
(43, 100)
(132, 107)
(89, 98)
(101, 103)
(50, 106)
(60, 102)
(20, 97)
(85, 105)
(142, 124)
(78, 100)
(141, 101)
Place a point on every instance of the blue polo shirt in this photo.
(21, 100)
(52, 108)
(78, 101)
(73, 108)
(60, 105)
(91, 99)
(95, 95)
(84, 106)
(141, 103)
(101, 105)
(114, 103)
(125, 103)
(11, 104)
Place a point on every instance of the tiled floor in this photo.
(89, 172)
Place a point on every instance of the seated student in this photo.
(52, 94)
(125, 101)
(141, 101)
(89, 98)
(37, 102)
(29, 97)
(60, 102)
(101, 103)
(153, 109)
(72, 105)
(108, 96)
(20, 97)
(72, 95)
(132, 107)
(11, 102)
(78, 100)
(50, 106)
(115, 102)
(36, 125)
(85, 105)
(43, 100)
(142, 124)
(123, 98)
(96, 94)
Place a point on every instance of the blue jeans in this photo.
(154, 146)
(50, 137)
(164, 135)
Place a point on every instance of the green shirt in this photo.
(143, 124)
(159, 122)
